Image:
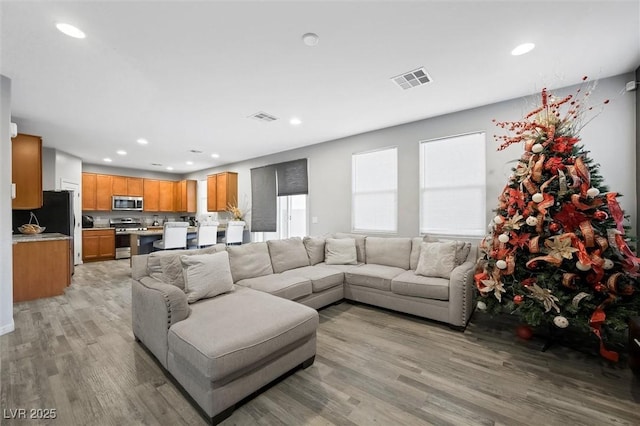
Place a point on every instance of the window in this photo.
(374, 204)
(452, 185)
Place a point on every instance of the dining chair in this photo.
(174, 235)
(206, 235)
(234, 231)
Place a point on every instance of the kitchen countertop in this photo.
(158, 231)
(45, 236)
(104, 228)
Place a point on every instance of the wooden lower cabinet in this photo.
(40, 269)
(98, 244)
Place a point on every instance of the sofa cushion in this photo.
(388, 251)
(321, 277)
(287, 286)
(341, 268)
(165, 265)
(410, 284)
(437, 259)
(217, 342)
(315, 249)
(206, 275)
(340, 251)
(287, 254)
(249, 261)
(372, 275)
(360, 244)
(416, 242)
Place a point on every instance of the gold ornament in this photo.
(493, 285)
(559, 246)
(544, 295)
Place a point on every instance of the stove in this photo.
(126, 224)
(123, 227)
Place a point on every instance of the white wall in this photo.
(6, 248)
(48, 169)
(610, 137)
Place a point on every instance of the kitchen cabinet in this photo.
(98, 244)
(127, 186)
(151, 195)
(41, 268)
(166, 197)
(186, 196)
(26, 171)
(89, 191)
(96, 191)
(222, 191)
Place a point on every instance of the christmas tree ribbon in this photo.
(584, 174)
(536, 173)
(615, 210)
(587, 233)
(597, 320)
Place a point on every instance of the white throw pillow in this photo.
(206, 275)
(340, 251)
(437, 259)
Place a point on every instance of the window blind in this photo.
(263, 199)
(452, 185)
(374, 205)
(292, 177)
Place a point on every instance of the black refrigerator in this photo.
(56, 214)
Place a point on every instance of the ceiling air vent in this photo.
(263, 116)
(411, 79)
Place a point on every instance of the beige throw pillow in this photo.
(340, 251)
(206, 275)
(437, 259)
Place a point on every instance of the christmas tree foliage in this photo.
(557, 254)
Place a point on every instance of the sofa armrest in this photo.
(156, 306)
(139, 266)
(461, 294)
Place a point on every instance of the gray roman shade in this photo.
(292, 177)
(263, 199)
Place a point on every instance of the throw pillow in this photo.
(315, 249)
(437, 259)
(206, 275)
(360, 244)
(287, 254)
(171, 266)
(340, 251)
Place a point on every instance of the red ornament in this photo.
(599, 288)
(517, 299)
(524, 332)
(554, 227)
(600, 215)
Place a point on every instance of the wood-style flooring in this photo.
(76, 354)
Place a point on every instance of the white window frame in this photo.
(454, 166)
(355, 192)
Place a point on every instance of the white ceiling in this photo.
(186, 75)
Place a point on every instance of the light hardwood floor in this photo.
(76, 353)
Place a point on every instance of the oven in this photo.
(123, 228)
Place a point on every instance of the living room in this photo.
(610, 138)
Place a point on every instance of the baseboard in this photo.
(8, 328)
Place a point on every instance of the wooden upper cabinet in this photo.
(89, 191)
(127, 186)
(222, 190)
(186, 193)
(151, 194)
(96, 191)
(166, 196)
(135, 187)
(104, 188)
(26, 171)
(119, 185)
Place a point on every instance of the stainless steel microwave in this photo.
(126, 203)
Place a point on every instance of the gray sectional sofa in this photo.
(222, 349)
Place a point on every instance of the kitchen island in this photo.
(41, 265)
(142, 241)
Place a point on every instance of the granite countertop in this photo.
(45, 236)
(97, 228)
(158, 231)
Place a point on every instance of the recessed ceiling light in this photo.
(522, 49)
(189, 163)
(107, 160)
(70, 30)
(195, 151)
(142, 141)
(295, 121)
(169, 168)
(215, 155)
(121, 152)
(310, 39)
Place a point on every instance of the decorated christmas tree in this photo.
(557, 254)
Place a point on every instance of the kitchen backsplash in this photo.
(101, 219)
